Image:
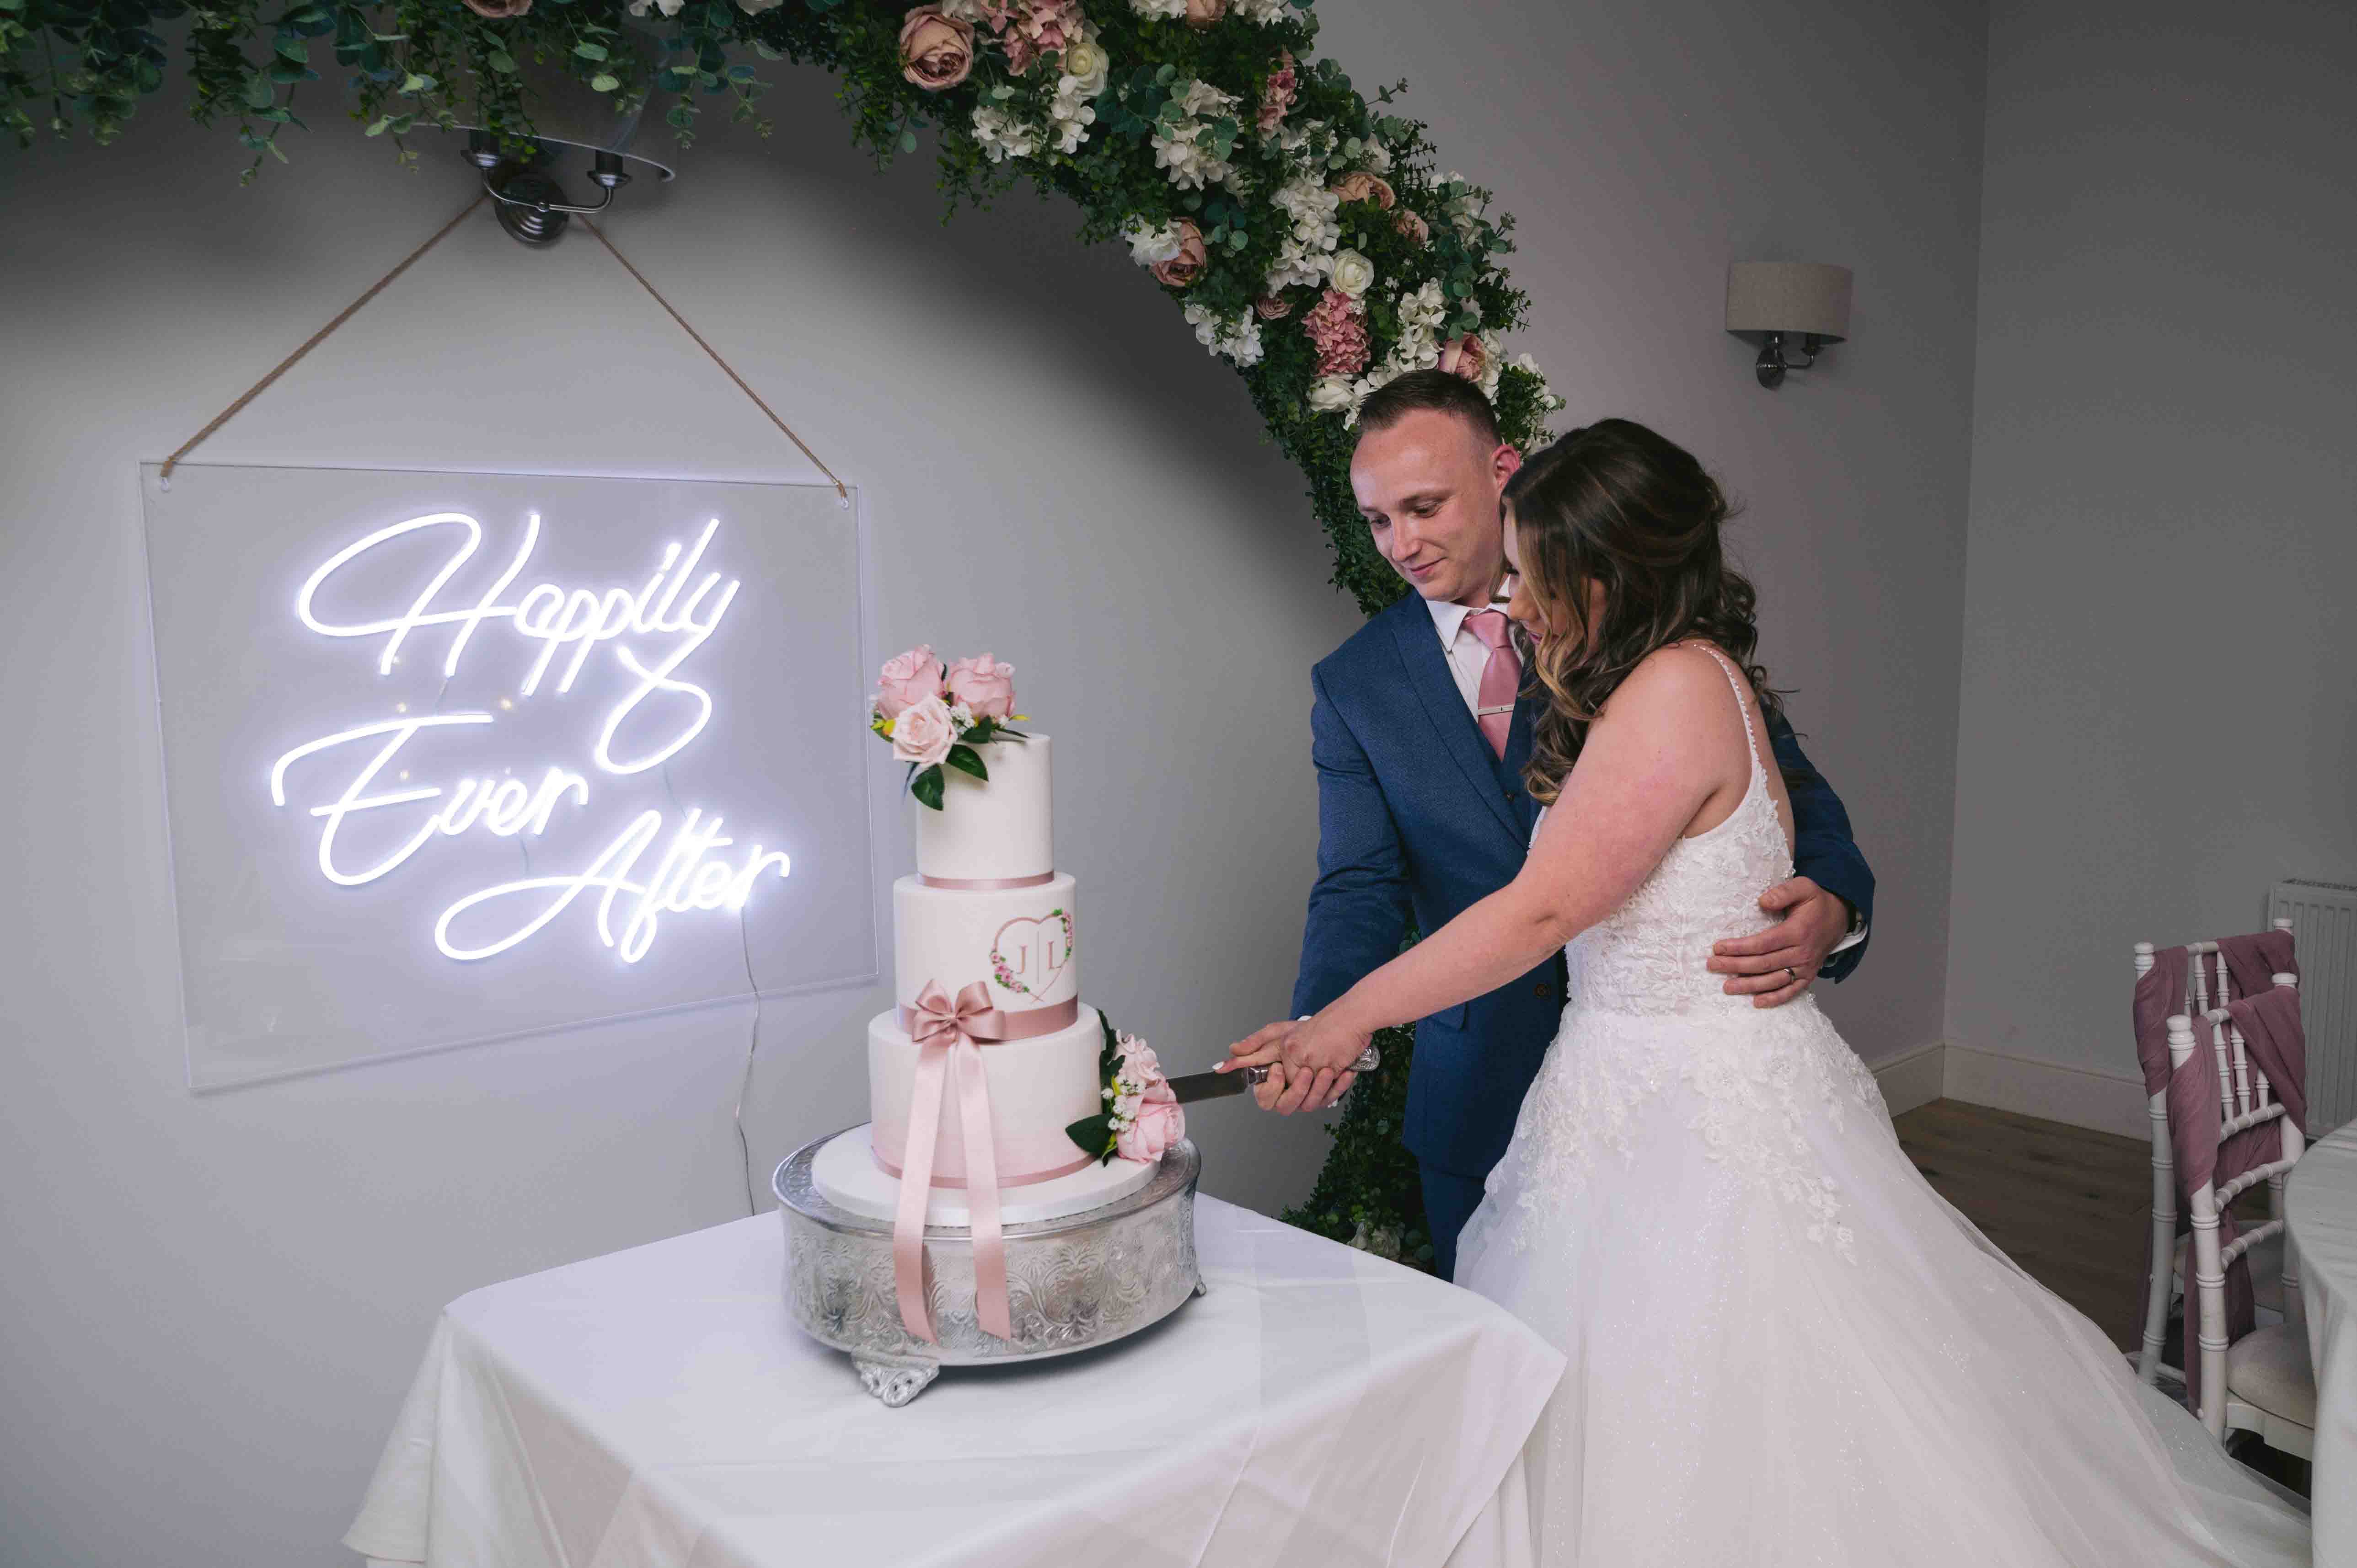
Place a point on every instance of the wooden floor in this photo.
(2069, 1204)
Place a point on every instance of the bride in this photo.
(1782, 1345)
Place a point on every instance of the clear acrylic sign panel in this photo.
(455, 758)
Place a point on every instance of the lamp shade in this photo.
(1789, 296)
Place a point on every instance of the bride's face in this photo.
(1541, 622)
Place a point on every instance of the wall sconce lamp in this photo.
(531, 205)
(1769, 302)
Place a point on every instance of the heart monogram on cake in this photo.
(1028, 955)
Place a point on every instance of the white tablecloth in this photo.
(655, 1409)
(2321, 1205)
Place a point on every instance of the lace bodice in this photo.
(1644, 1013)
(1651, 955)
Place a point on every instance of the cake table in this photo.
(1079, 1272)
(655, 1408)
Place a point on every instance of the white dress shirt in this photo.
(1469, 656)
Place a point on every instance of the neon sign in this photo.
(650, 632)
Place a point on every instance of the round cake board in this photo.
(846, 1174)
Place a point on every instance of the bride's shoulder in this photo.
(1674, 681)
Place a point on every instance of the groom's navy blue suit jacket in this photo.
(1417, 818)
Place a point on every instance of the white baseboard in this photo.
(1913, 1078)
(2107, 1102)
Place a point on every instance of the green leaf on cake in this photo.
(1095, 1136)
(965, 760)
(925, 784)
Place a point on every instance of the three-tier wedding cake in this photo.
(989, 1080)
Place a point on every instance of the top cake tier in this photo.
(991, 831)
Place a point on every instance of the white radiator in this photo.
(2323, 916)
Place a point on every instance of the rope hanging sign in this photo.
(164, 477)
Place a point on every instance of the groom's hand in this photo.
(1773, 966)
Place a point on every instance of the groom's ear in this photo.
(1503, 462)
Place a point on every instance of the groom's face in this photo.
(1428, 485)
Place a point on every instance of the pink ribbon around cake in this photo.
(950, 1033)
(988, 884)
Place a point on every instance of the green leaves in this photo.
(965, 760)
(925, 784)
(1095, 1136)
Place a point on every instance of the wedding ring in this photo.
(1792, 973)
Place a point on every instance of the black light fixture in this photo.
(568, 114)
(1769, 303)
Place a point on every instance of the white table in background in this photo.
(655, 1409)
(2321, 1207)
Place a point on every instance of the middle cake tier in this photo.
(1022, 942)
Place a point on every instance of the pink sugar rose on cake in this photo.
(924, 732)
(1148, 1120)
(1159, 1124)
(908, 678)
(983, 685)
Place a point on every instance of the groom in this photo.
(1420, 733)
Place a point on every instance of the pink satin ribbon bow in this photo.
(947, 1032)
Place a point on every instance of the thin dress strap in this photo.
(1736, 684)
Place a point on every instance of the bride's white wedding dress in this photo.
(1783, 1347)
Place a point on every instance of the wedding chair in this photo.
(2207, 984)
(2261, 1383)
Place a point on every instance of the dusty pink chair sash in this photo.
(950, 1033)
(2268, 1016)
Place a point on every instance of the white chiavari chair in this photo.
(2208, 985)
(2262, 1383)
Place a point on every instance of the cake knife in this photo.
(1191, 1087)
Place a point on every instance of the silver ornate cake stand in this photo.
(1072, 1283)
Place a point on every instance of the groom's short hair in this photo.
(1442, 392)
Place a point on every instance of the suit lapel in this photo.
(1428, 677)
(1519, 742)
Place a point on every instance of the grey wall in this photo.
(2162, 531)
(1644, 146)
(214, 1303)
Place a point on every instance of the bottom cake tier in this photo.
(1037, 1087)
(846, 1174)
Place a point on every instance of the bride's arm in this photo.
(1651, 762)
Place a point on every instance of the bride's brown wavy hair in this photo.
(1619, 506)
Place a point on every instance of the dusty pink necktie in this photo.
(1501, 678)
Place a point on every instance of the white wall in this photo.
(214, 1303)
(2162, 537)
